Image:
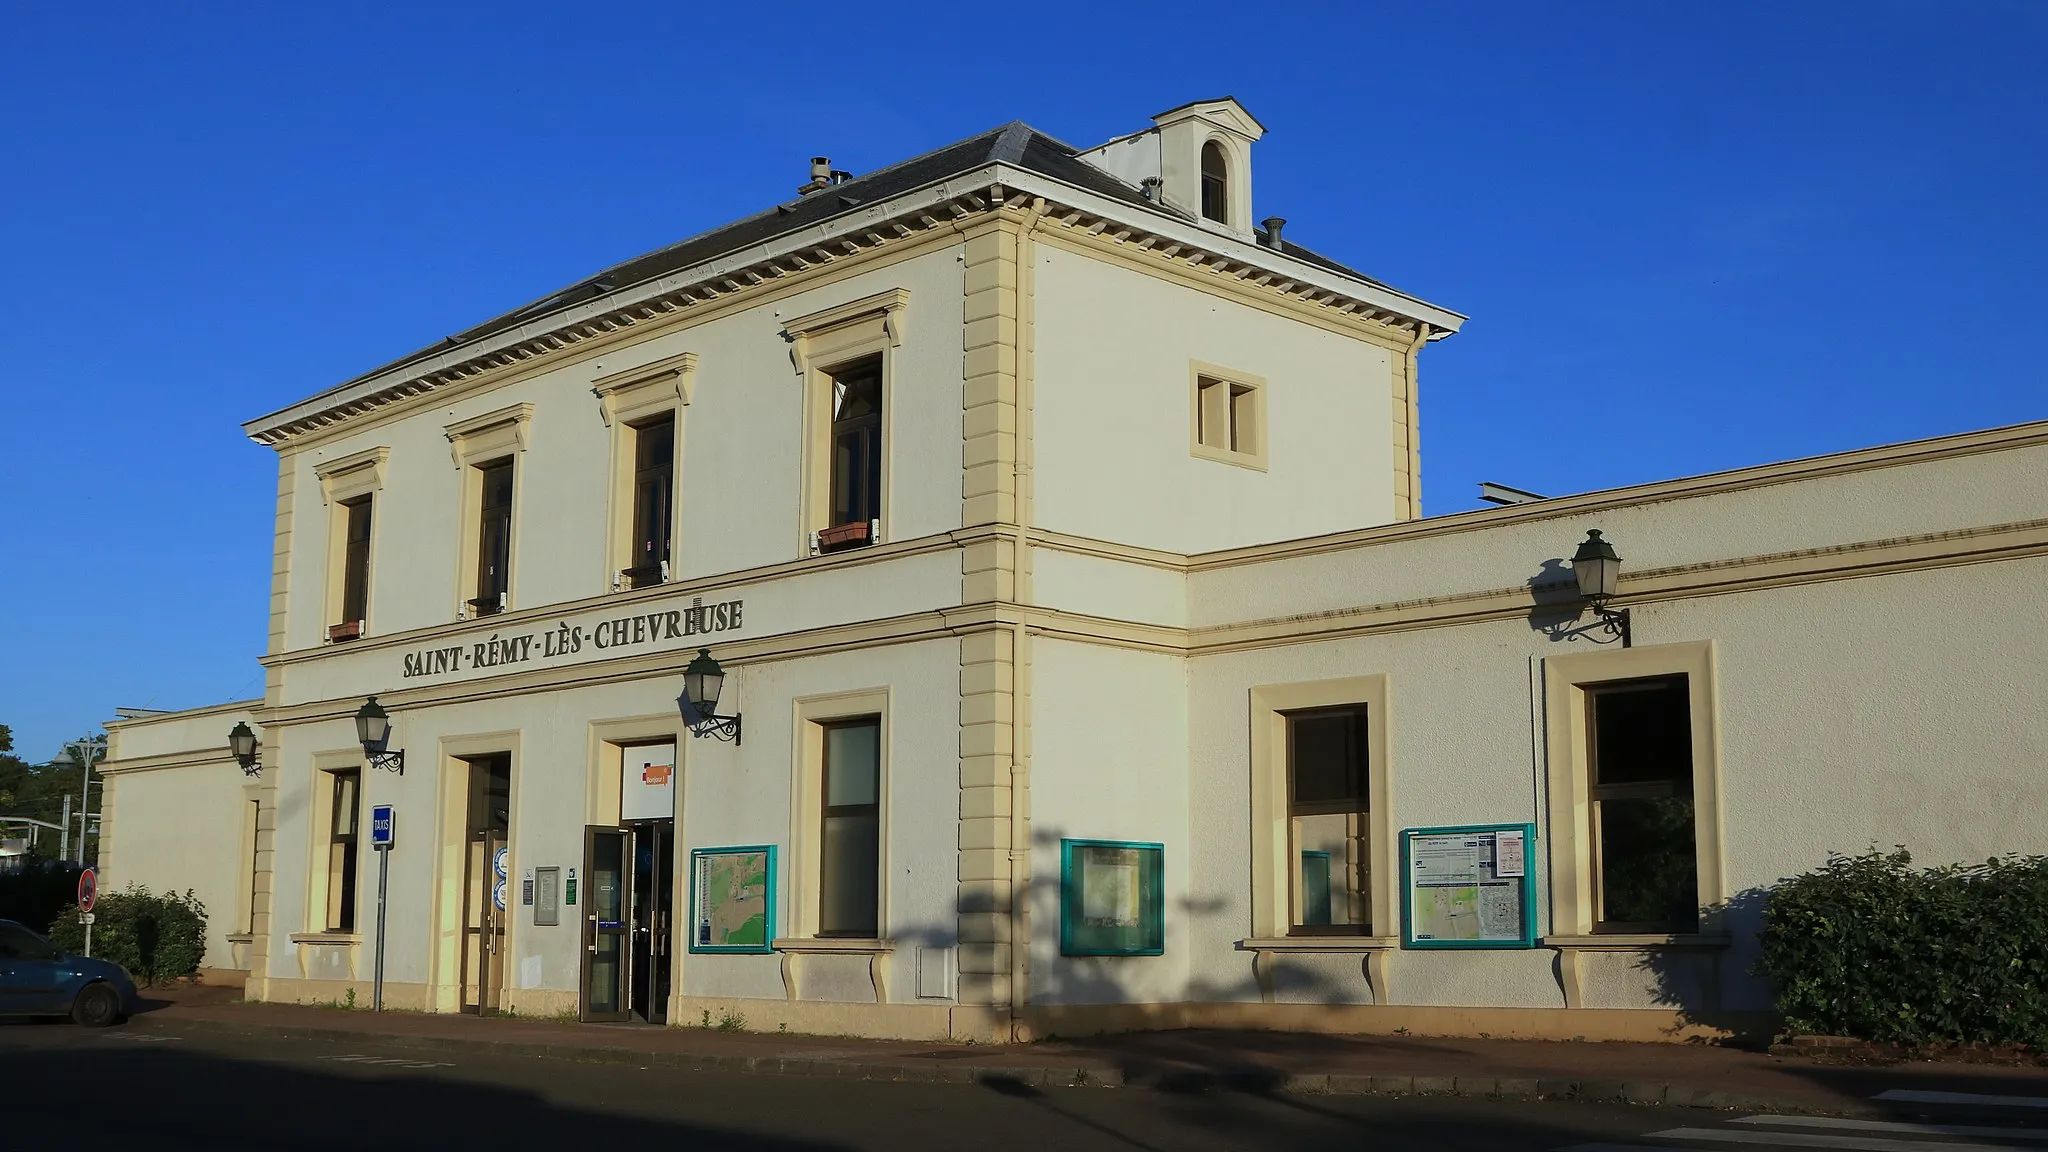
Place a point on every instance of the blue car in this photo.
(39, 979)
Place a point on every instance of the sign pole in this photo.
(88, 895)
(383, 834)
(383, 886)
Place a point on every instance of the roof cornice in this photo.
(945, 204)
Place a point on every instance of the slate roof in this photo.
(1016, 144)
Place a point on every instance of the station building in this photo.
(1087, 662)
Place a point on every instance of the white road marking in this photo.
(1810, 1140)
(1992, 1130)
(388, 1061)
(1616, 1148)
(138, 1037)
(1910, 1096)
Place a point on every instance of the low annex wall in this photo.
(179, 815)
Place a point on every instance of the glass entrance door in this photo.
(607, 948)
(654, 869)
(483, 924)
(485, 882)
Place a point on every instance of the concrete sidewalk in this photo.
(1186, 1061)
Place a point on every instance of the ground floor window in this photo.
(345, 816)
(850, 841)
(1644, 835)
(1328, 821)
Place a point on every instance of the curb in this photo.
(1041, 1076)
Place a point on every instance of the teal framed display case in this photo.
(1468, 886)
(732, 899)
(1112, 898)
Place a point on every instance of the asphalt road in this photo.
(65, 1087)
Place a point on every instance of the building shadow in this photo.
(104, 1093)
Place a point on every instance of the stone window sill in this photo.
(1630, 942)
(1312, 944)
(240, 937)
(348, 938)
(831, 944)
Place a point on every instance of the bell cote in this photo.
(1197, 157)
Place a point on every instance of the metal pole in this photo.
(87, 917)
(383, 884)
(64, 837)
(84, 810)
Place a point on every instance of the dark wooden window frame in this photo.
(493, 535)
(358, 523)
(828, 812)
(345, 837)
(1215, 184)
(1597, 792)
(654, 480)
(863, 504)
(1359, 805)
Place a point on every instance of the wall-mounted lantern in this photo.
(703, 680)
(242, 742)
(1598, 571)
(373, 731)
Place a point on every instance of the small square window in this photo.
(1229, 419)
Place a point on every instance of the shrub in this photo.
(156, 938)
(1869, 946)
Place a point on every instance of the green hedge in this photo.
(156, 938)
(1869, 946)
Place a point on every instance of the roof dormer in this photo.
(1197, 157)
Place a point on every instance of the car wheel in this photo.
(97, 1006)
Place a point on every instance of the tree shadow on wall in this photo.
(1160, 1050)
(1711, 986)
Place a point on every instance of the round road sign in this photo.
(88, 889)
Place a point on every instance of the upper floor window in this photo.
(494, 537)
(355, 570)
(1229, 422)
(349, 486)
(1640, 783)
(654, 471)
(1215, 184)
(856, 454)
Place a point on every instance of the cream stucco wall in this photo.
(1108, 742)
(738, 459)
(728, 795)
(180, 829)
(1112, 352)
(1893, 710)
(176, 816)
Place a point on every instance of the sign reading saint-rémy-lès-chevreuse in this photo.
(603, 638)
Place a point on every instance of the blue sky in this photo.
(1690, 236)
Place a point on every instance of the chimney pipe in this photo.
(1149, 188)
(821, 169)
(1273, 225)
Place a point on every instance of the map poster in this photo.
(1468, 887)
(1112, 899)
(732, 899)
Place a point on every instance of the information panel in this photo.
(1112, 899)
(732, 899)
(1468, 887)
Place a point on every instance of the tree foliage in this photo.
(1870, 946)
